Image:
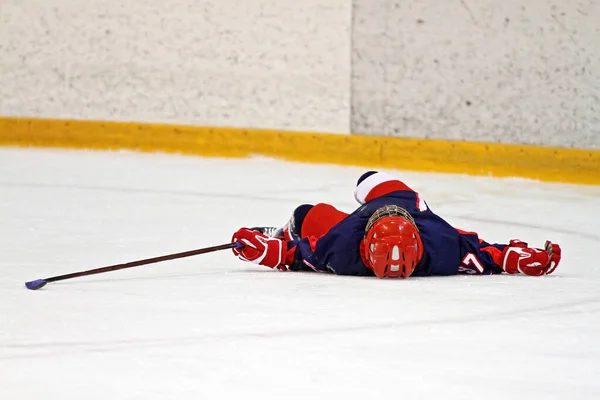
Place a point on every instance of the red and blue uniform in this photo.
(329, 239)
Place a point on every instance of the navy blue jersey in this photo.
(447, 251)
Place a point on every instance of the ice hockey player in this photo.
(393, 233)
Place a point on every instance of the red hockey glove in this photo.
(261, 249)
(517, 257)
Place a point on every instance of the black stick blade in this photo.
(35, 285)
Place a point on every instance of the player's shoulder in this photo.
(373, 184)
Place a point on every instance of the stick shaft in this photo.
(142, 262)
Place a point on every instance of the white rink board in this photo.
(251, 63)
(213, 327)
(485, 71)
(493, 71)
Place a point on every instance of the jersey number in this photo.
(471, 265)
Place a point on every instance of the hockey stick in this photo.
(39, 283)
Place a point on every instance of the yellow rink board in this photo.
(552, 164)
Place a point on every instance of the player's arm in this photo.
(307, 257)
(277, 252)
(297, 245)
(480, 257)
(517, 257)
(476, 255)
(264, 250)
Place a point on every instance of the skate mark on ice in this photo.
(234, 196)
(522, 224)
(167, 276)
(51, 349)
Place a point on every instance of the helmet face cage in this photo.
(389, 211)
(399, 253)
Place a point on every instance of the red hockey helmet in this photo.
(392, 245)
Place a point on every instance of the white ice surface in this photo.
(213, 327)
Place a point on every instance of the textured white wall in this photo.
(252, 63)
(480, 70)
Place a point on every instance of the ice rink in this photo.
(213, 327)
